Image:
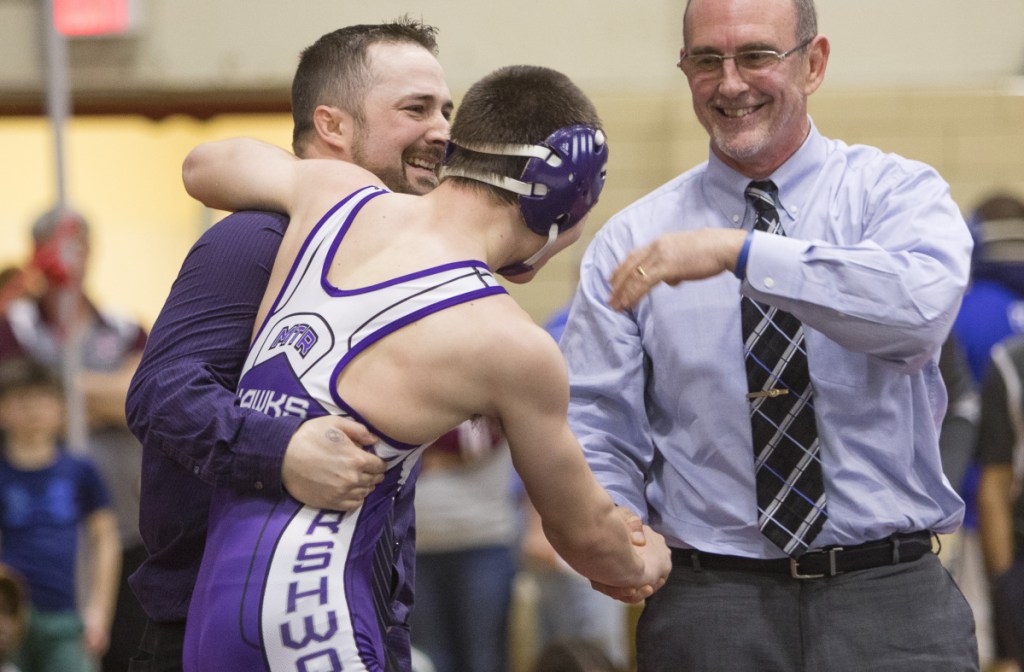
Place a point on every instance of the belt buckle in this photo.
(794, 564)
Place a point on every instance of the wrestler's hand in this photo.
(326, 466)
(657, 565)
(634, 524)
(673, 258)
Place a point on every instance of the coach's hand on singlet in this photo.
(326, 466)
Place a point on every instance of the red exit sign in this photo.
(94, 17)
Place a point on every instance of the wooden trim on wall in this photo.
(153, 104)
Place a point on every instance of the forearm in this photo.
(105, 549)
(535, 548)
(186, 412)
(882, 276)
(995, 450)
(219, 174)
(577, 515)
(182, 398)
(595, 542)
(995, 519)
(898, 306)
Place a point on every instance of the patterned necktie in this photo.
(790, 490)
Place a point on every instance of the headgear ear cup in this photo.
(560, 183)
(573, 175)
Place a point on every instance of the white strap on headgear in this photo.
(552, 236)
(545, 154)
(500, 181)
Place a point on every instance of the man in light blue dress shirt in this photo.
(873, 262)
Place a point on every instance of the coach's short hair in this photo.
(335, 70)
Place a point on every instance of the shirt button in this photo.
(793, 209)
(258, 485)
(735, 219)
(195, 470)
(769, 282)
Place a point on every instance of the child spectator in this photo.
(46, 497)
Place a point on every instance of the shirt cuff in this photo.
(741, 261)
(260, 449)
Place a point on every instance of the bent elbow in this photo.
(195, 176)
(189, 175)
(910, 350)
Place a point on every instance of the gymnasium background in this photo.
(941, 81)
(937, 80)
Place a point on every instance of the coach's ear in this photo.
(334, 129)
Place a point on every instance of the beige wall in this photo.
(123, 173)
(613, 45)
(931, 79)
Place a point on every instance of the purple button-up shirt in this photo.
(182, 407)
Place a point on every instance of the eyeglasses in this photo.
(753, 60)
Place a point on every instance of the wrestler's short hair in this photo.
(517, 104)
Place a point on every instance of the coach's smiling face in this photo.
(756, 118)
(406, 114)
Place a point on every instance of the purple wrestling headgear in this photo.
(561, 182)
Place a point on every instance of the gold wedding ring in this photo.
(640, 270)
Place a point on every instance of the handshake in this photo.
(650, 547)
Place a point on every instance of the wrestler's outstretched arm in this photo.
(579, 518)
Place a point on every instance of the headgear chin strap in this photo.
(561, 181)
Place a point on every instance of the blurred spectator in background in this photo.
(993, 306)
(960, 426)
(12, 616)
(47, 497)
(467, 531)
(992, 310)
(1000, 502)
(573, 655)
(54, 319)
(16, 282)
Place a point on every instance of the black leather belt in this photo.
(818, 563)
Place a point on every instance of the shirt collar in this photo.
(795, 179)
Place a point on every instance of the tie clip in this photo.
(774, 392)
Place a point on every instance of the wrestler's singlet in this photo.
(284, 587)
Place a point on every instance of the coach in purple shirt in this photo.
(181, 404)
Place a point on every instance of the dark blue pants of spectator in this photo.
(1008, 611)
(461, 613)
